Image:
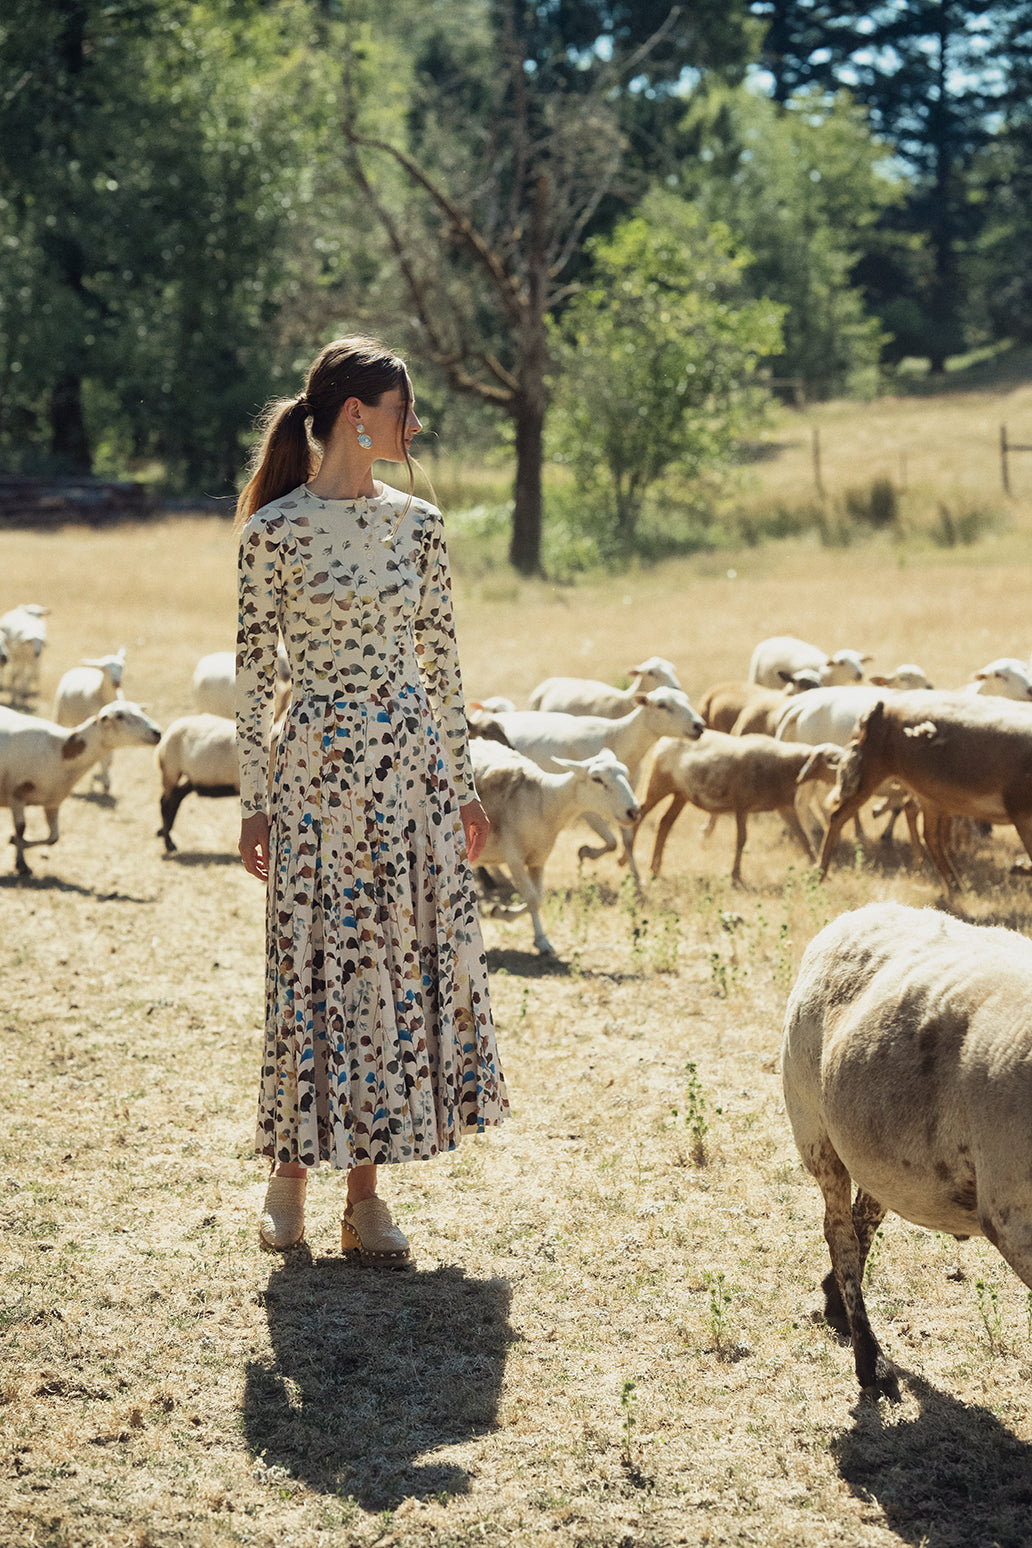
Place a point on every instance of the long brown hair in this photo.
(287, 454)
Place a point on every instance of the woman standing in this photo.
(379, 1043)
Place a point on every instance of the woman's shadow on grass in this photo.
(371, 1370)
(953, 1474)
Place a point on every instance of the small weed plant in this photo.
(629, 1414)
(991, 1313)
(720, 1296)
(694, 1113)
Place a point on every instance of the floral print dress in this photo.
(379, 1042)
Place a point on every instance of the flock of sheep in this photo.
(41, 760)
(907, 1057)
(799, 720)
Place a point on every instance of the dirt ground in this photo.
(611, 1337)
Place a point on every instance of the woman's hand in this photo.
(476, 825)
(254, 845)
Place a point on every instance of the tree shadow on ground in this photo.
(951, 1477)
(372, 1370)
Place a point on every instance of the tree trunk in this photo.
(530, 403)
(525, 542)
(69, 442)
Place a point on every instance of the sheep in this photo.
(82, 691)
(723, 704)
(40, 761)
(961, 755)
(24, 636)
(907, 1070)
(831, 715)
(480, 721)
(764, 708)
(906, 676)
(546, 736)
(739, 774)
(197, 753)
(585, 696)
(528, 806)
(1006, 677)
(784, 653)
(214, 683)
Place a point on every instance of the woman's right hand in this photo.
(254, 845)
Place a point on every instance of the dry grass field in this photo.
(611, 1335)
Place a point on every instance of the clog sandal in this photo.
(368, 1229)
(282, 1225)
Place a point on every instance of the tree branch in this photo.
(462, 227)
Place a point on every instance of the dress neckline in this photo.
(352, 501)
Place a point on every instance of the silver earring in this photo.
(363, 439)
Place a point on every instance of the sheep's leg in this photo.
(102, 774)
(585, 852)
(709, 827)
(741, 831)
(627, 856)
(21, 843)
(867, 1216)
(171, 801)
(1023, 823)
(790, 817)
(848, 1254)
(670, 816)
(837, 820)
(936, 829)
(531, 890)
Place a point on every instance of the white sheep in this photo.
(548, 735)
(40, 761)
(197, 753)
(907, 1070)
(1006, 677)
(24, 636)
(214, 683)
(586, 696)
(528, 807)
(85, 689)
(776, 659)
(736, 774)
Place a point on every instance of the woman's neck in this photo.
(343, 477)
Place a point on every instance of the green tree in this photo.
(658, 359)
(155, 157)
(803, 187)
(933, 76)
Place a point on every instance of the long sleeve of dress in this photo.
(438, 658)
(257, 639)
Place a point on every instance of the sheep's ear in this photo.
(786, 677)
(865, 657)
(567, 763)
(879, 682)
(641, 698)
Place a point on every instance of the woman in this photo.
(379, 1043)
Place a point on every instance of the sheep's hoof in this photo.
(885, 1385)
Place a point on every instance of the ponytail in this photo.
(283, 458)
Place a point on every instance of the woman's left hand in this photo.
(476, 825)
